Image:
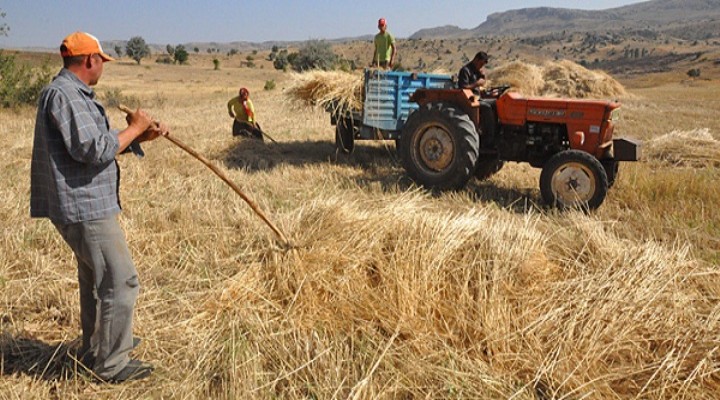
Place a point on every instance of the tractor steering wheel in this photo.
(490, 92)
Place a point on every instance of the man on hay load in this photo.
(384, 42)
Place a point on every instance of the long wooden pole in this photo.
(222, 176)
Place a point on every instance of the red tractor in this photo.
(456, 134)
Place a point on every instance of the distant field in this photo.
(392, 292)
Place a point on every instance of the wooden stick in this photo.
(266, 135)
(222, 176)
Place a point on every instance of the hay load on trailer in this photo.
(372, 107)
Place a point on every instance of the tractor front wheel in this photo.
(439, 147)
(573, 179)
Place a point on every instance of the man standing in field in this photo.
(75, 183)
(384, 55)
(241, 109)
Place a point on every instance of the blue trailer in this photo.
(386, 106)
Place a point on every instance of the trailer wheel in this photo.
(487, 168)
(439, 147)
(573, 178)
(344, 136)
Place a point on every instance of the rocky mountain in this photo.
(672, 16)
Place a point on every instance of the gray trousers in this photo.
(109, 287)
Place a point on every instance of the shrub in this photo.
(137, 49)
(281, 60)
(181, 55)
(164, 59)
(269, 85)
(114, 97)
(316, 54)
(20, 84)
(216, 64)
(694, 73)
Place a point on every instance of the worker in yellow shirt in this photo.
(241, 109)
(384, 41)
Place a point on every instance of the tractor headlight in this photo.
(615, 115)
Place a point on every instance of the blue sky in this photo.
(43, 23)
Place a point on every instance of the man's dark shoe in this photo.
(88, 359)
(134, 370)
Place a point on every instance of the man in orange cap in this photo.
(384, 54)
(74, 183)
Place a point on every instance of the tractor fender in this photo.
(463, 99)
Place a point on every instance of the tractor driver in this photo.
(472, 76)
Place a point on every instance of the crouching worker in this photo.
(241, 109)
(74, 182)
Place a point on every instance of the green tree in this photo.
(316, 54)
(137, 49)
(118, 50)
(181, 55)
(170, 50)
(196, 50)
(216, 64)
(3, 27)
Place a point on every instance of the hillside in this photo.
(658, 15)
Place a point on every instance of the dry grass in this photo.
(695, 148)
(327, 90)
(392, 292)
(523, 77)
(556, 79)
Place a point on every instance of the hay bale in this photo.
(330, 90)
(556, 79)
(523, 78)
(695, 148)
(567, 79)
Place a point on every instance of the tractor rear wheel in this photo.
(573, 178)
(439, 147)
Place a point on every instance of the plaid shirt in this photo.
(74, 175)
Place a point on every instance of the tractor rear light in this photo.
(577, 139)
(615, 115)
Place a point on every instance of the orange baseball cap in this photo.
(82, 44)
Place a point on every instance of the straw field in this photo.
(391, 291)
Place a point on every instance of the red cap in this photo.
(381, 22)
(244, 91)
(82, 44)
